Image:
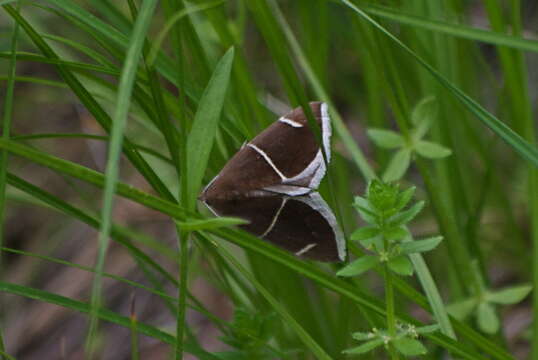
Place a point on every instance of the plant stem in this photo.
(6, 133)
(389, 302)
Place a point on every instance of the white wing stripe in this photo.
(268, 159)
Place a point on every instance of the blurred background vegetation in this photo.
(483, 198)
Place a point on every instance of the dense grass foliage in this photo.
(117, 113)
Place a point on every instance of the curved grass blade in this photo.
(457, 30)
(112, 167)
(142, 148)
(102, 313)
(524, 149)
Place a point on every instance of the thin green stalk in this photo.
(389, 303)
(182, 291)
(112, 169)
(6, 132)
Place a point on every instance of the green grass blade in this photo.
(204, 127)
(142, 148)
(524, 149)
(456, 30)
(6, 133)
(95, 178)
(104, 314)
(112, 168)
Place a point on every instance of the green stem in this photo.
(182, 292)
(6, 132)
(389, 302)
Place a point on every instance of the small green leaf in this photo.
(420, 246)
(431, 150)
(397, 166)
(404, 197)
(359, 266)
(401, 265)
(423, 115)
(209, 224)
(364, 348)
(361, 336)
(461, 309)
(387, 139)
(395, 233)
(365, 210)
(427, 329)
(409, 347)
(406, 216)
(365, 233)
(510, 295)
(488, 321)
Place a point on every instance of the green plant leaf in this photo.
(401, 265)
(397, 166)
(365, 210)
(511, 295)
(364, 348)
(488, 321)
(431, 150)
(423, 115)
(396, 233)
(386, 139)
(409, 347)
(364, 233)
(359, 266)
(361, 336)
(406, 216)
(461, 309)
(427, 329)
(205, 124)
(404, 197)
(419, 246)
(206, 224)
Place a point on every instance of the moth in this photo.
(283, 159)
(271, 182)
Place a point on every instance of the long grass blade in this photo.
(112, 168)
(6, 133)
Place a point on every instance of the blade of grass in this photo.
(6, 133)
(142, 148)
(522, 147)
(102, 313)
(95, 178)
(112, 168)
(204, 127)
(453, 29)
